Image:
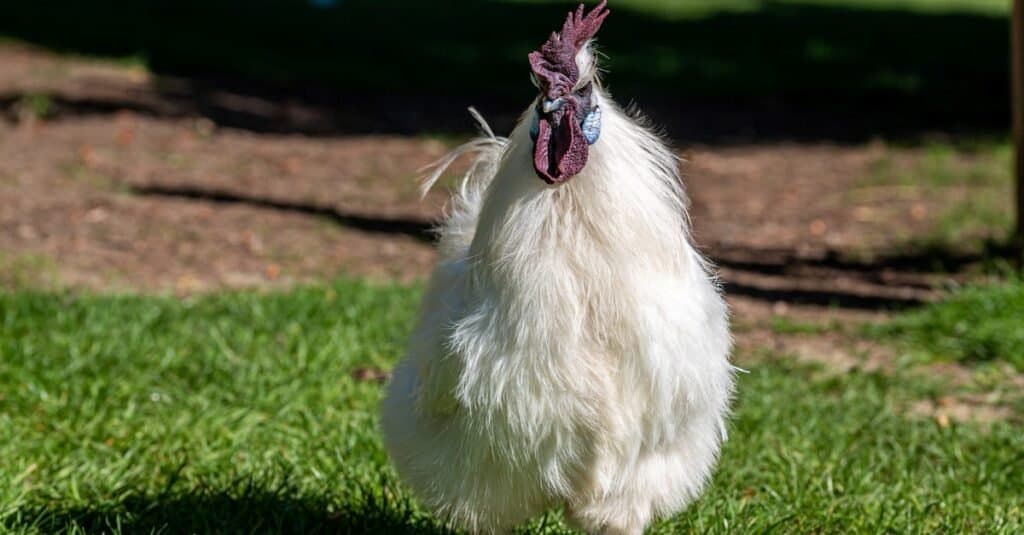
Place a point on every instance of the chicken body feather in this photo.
(572, 346)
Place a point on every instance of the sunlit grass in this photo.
(246, 412)
(970, 183)
(975, 324)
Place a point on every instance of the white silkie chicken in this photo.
(572, 348)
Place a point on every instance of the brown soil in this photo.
(113, 186)
(121, 186)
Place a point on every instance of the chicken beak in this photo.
(550, 105)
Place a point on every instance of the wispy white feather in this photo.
(572, 347)
(460, 221)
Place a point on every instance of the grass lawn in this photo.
(244, 412)
(973, 177)
(977, 324)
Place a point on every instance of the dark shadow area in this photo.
(929, 259)
(785, 71)
(59, 106)
(414, 228)
(823, 298)
(888, 280)
(222, 513)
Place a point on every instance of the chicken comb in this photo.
(579, 28)
(557, 56)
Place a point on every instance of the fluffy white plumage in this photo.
(572, 347)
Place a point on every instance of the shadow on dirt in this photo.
(784, 71)
(925, 259)
(888, 281)
(823, 298)
(421, 230)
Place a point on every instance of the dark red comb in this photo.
(578, 28)
(556, 59)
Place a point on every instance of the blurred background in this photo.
(813, 129)
(849, 163)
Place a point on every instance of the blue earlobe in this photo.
(592, 126)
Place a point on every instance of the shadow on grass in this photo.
(782, 71)
(223, 513)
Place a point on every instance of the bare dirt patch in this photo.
(153, 200)
(68, 193)
(116, 186)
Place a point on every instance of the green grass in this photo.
(39, 105)
(20, 271)
(974, 174)
(239, 412)
(976, 324)
(979, 162)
